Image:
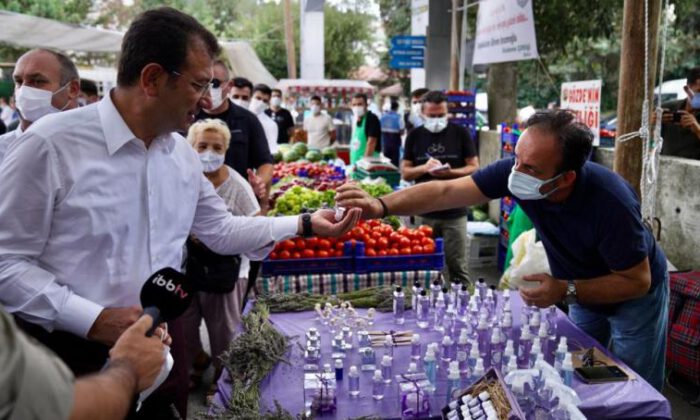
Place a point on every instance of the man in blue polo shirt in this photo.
(604, 262)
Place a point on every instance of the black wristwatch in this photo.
(307, 229)
(570, 298)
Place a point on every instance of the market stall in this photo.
(285, 383)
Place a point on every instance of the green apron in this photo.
(358, 144)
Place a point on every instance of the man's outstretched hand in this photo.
(323, 222)
(351, 196)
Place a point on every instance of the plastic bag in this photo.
(529, 257)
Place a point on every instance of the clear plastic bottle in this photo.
(508, 353)
(473, 356)
(450, 319)
(416, 349)
(387, 363)
(454, 382)
(496, 357)
(463, 301)
(463, 343)
(423, 314)
(462, 362)
(481, 288)
(544, 339)
(535, 352)
(535, 322)
(454, 292)
(567, 370)
(552, 322)
(507, 326)
(484, 336)
(448, 349)
(439, 318)
(512, 365)
(507, 306)
(478, 371)
(435, 289)
(430, 366)
(369, 359)
(378, 385)
(489, 305)
(399, 302)
(415, 292)
(524, 396)
(474, 312)
(338, 369)
(388, 345)
(524, 345)
(353, 381)
(562, 349)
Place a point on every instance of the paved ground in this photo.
(681, 409)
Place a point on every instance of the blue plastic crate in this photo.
(365, 264)
(344, 264)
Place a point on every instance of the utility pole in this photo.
(454, 47)
(289, 40)
(628, 155)
(462, 44)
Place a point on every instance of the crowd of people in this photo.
(171, 168)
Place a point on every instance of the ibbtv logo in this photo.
(169, 286)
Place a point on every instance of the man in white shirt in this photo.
(320, 131)
(45, 82)
(258, 105)
(97, 199)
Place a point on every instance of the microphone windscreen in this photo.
(168, 290)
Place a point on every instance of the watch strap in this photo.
(307, 229)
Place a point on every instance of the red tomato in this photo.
(338, 253)
(392, 251)
(339, 246)
(300, 244)
(375, 234)
(370, 252)
(273, 255)
(403, 230)
(312, 242)
(322, 254)
(382, 253)
(382, 243)
(308, 253)
(415, 242)
(418, 234)
(333, 241)
(374, 222)
(285, 255)
(288, 245)
(395, 237)
(427, 241)
(429, 249)
(353, 243)
(427, 230)
(357, 232)
(395, 245)
(344, 238)
(417, 249)
(324, 244)
(296, 255)
(405, 251)
(371, 243)
(404, 242)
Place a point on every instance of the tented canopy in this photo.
(325, 86)
(32, 32)
(245, 63)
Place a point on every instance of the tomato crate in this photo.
(344, 264)
(435, 261)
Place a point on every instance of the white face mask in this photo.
(358, 111)
(275, 101)
(34, 103)
(315, 109)
(241, 103)
(211, 161)
(217, 97)
(257, 106)
(527, 187)
(435, 125)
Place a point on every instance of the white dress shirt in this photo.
(271, 130)
(8, 138)
(89, 213)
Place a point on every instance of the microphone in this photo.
(165, 296)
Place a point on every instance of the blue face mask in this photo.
(695, 100)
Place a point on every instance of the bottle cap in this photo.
(398, 289)
(562, 345)
(327, 367)
(338, 364)
(512, 364)
(464, 287)
(536, 344)
(474, 352)
(415, 339)
(353, 371)
(481, 280)
(444, 289)
(388, 341)
(463, 337)
(423, 293)
(489, 293)
(495, 336)
(436, 282)
(412, 367)
(544, 326)
(484, 396)
(378, 375)
(386, 360)
(447, 340)
(525, 333)
(429, 355)
(509, 347)
(417, 284)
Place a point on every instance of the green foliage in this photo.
(347, 41)
(70, 11)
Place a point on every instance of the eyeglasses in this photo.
(203, 89)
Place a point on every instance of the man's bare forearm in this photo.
(371, 146)
(433, 196)
(107, 395)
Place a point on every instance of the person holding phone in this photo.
(442, 150)
(680, 124)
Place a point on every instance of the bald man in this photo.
(45, 82)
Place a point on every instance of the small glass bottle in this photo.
(454, 292)
(415, 292)
(338, 369)
(478, 371)
(484, 337)
(524, 345)
(387, 361)
(454, 382)
(430, 366)
(388, 345)
(463, 301)
(481, 287)
(353, 382)
(567, 370)
(378, 385)
(535, 322)
(399, 302)
(369, 359)
(508, 353)
(435, 289)
(562, 349)
(423, 314)
(439, 318)
(415, 347)
(448, 349)
(535, 352)
(496, 356)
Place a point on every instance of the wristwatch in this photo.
(570, 298)
(307, 230)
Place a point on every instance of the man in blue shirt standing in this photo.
(605, 264)
(392, 129)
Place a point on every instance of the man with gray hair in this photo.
(45, 82)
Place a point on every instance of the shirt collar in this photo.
(117, 133)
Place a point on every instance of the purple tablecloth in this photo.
(632, 399)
